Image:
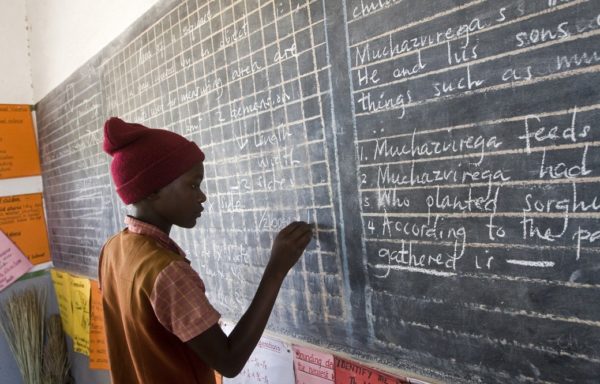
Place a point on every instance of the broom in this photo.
(22, 321)
(56, 357)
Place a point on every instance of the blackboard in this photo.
(448, 152)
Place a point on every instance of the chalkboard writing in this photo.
(447, 151)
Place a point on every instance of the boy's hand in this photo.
(288, 247)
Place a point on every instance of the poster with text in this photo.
(22, 219)
(18, 150)
(270, 363)
(351, 372)
(313, 367)
(13, 263)
(62, 287)
(80, 298)
(98, 351)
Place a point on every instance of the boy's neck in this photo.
(152, 218)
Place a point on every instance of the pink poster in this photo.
(312, 367)
(13, 263)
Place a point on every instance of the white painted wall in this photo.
(65, 34)
(15, 67)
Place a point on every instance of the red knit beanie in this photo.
(145, 159)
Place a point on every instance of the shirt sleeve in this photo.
(180, 302)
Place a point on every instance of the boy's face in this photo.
(180, 203)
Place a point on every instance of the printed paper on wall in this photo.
(270, 363)
(62, 287)
(347, 372)
(18, 150)
(22, 220)
(13, 263)
(313, 367)
(98, 351)
(80, 298)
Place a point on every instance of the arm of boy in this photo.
(228, 355)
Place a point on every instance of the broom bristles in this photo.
(22, 321)
(56, 357)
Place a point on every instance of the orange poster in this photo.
(98, 351)
(22, 220)
(18, 150)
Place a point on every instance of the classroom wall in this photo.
(65, 34)
(57, 51)
(43, 52)
(15, 88)
(15, 67)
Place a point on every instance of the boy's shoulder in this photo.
(136, 253)
(112, 238)
(142, 245)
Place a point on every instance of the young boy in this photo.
(160, 326)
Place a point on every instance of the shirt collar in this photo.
(142, 228)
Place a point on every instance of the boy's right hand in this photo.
(288, 247)
(229, 354)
